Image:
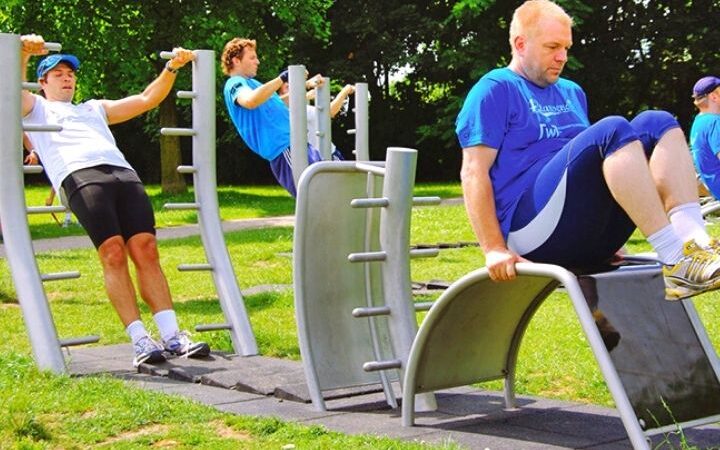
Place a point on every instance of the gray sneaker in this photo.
(181, 345)
(147, 350)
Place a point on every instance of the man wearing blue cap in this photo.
(705, 132)
(104, 192)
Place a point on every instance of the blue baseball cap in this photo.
(49, 62)
(704, 86)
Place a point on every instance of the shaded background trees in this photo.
(420, 58)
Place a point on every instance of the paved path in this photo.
(475, 419)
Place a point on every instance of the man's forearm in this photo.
(259, 95)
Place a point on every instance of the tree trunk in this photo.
(170, 156)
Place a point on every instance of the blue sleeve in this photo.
(232, 86)
(713, 137)
(483, 117)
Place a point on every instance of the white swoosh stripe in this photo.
(535, 233)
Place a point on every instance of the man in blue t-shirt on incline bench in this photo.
(543, 184)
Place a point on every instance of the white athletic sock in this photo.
(136, 330)
(667, 245)
(166, 322)
(687, 220)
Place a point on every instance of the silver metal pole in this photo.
(16, 232)
(395, 241)
(362, 139)
(205, 182)
(324, 128)
(298, 120)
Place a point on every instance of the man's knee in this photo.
(143, 249)
(654, 122)
(113, 253)
(611, 133)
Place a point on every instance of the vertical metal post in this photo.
(205, 182)
(395, 241)
(362, 140)
(298, 120)
(324, 128)
(18, 243)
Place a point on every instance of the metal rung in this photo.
(53, 46)
(193, 267)
(30, 86)
(41, 127)
(45, 209)
(370, 311)
(377, 170)
(167, 55)
(367, 256)
(70, 342)
(186, 169)
(424, 252)
(423, 201)
(32, 169)
(369, 202)
(351, 131)
(177, 132)
(213, 327)
(177, 206)
(373, 366)
(186, 94)
(423, 306)
(60, 276)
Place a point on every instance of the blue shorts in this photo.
(567, 216)
(282, 166)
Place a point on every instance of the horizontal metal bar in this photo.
(193, 267)
(186, 94)
(370, 311)
(70, 342)
(178, 206)
(423, 306)
(367, 256)
(424, 252)
(422, 201)
(177, 132)
(53, 46)
(186, 169)
(41, 127)
(60, 276)
(213, 327)
(369, 202)
(33, 168)
(351, 131)
(373, 366)
(167, 55)
(377, 170)
(30, 86)
(45, 209)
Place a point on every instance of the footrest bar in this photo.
(180, 206)
(371, 311)
(213, 327)
(374, 366)
(194, 267)
(60, 276)
(71, 342)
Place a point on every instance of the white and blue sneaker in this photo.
(147, 350)
(181, 345)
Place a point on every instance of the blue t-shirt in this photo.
(526, 123)
(265, 129)
(705, 145)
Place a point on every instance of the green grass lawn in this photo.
(555, 360)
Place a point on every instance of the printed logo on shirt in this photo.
(550, 110)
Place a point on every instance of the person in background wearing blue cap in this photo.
(705, 133)
(104, 192)
(542, 183)
(259, 115)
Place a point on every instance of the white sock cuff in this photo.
(136, 330)
(166, 321)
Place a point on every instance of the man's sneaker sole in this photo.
(151, 358)
(197, 350)
(687, 290)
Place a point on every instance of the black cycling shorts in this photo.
(109, 201)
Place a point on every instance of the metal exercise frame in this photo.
(655, 355)
(351, 273)
(203, 171)
(298, 120)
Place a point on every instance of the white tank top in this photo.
(85, 140)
